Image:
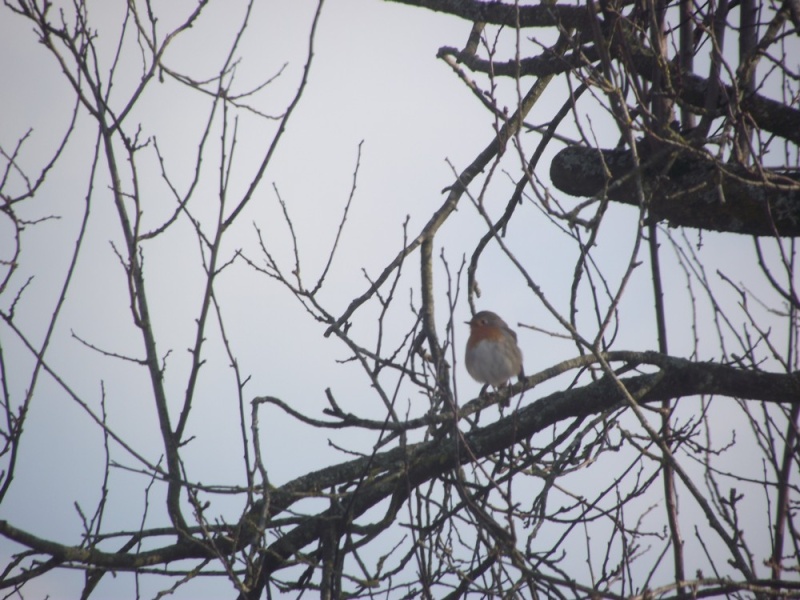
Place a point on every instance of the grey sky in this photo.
(375, 78)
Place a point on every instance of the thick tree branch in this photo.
(677, 378)
(508, 14)
(694, 192)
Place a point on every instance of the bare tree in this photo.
(667, 471)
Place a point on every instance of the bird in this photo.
(492, 355)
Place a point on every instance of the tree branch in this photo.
(695, 192)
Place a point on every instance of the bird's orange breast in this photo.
(478, 333)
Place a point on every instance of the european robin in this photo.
(492, 355)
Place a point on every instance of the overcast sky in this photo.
(376, 80)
